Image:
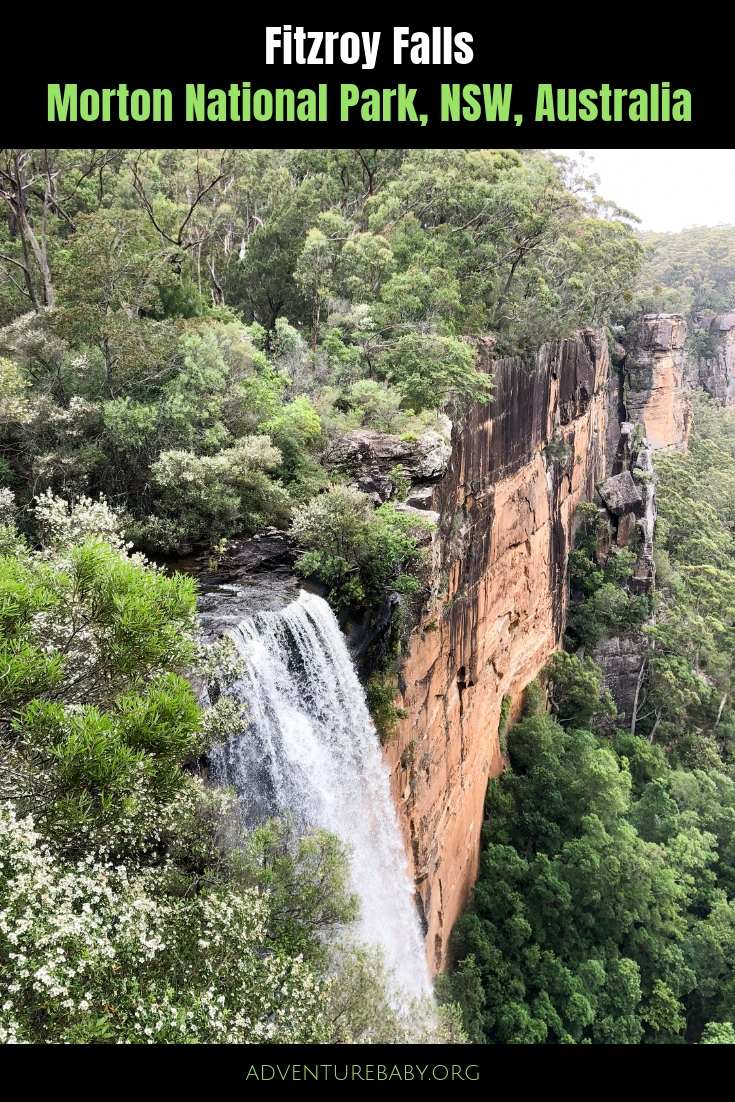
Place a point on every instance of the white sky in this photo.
(667, 188)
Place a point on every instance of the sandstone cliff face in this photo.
(518, 468)
(658, 391)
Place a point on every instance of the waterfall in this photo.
(310, 748)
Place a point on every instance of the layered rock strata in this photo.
(503, 494)
(519, 466)
(651, 393)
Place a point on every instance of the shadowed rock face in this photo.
(518, 467)
(503, 497)
(716, 372)
(620, 659)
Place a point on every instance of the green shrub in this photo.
(535, 699)
(208, 497)
(528, 740)
(380, 693)
(425, 368)
(576, 689)
(358, 551)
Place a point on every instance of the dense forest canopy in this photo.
(183, 336)
(691, 271)
(184, 329)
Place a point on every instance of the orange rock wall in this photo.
(519, 467)
(659, 393)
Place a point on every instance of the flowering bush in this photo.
(90, 953)
(210, 496)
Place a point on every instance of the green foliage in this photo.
(152, 272)
(718, 1033)
(505, 706)
(604, 909)
(206, 497)
(357, 551)
(380, 693)
(185, 331)
(501, 244)
(134, 907)
(116, 958)
(527, 740)
(576, 690)
(535, 700)
(295, 430)
(503, 720)
(305, 880)
(601, 605)
(425, 368)
(687, 689)
(697, 264)
(95, 714)
(377, 405)
(575, 917)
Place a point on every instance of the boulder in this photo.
(420, 497)
(379, 452)
(366, 447)
(431, 457)
(375, 483)
(621, 495)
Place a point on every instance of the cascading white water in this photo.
(310, 748)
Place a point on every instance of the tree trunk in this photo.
(637, 694)
(654, 728)
(39, 250)
(109, 364)
(721, 709)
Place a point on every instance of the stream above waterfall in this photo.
(310, 750)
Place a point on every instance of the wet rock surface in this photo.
(369, 637)
(251, 575)
(257, 575)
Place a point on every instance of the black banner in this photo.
(403, 84)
